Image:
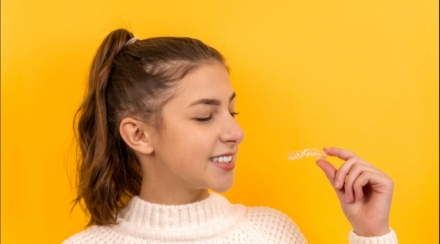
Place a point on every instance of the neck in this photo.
(159, 195)
(157, 188)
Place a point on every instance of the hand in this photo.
(364, 192)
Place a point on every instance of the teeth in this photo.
(222, 159)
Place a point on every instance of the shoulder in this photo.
(275, 225)
(265, 216)
(94, 234)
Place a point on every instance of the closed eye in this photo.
(205, 119)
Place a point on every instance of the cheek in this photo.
(198, 145)
(196, 149)
(190, 144)
(186, 139)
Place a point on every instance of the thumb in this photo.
(328, 168)
(330, 172)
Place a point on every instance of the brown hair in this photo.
(126, 80)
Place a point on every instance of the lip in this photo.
(226, 167)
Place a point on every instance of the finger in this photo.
(343, 172)
(377, 181)
(351, 176)
(330, 172)
(328, 169)
(339, 152)
(361, 181)
(358, 187)
(356, 170)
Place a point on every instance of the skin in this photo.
(364, 192)
(199, 124)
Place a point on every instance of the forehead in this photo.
(207, 81)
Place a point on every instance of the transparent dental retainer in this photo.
(309, 152)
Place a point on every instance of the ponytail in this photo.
(126, 79)
(104, 173)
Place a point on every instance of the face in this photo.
(197, 149)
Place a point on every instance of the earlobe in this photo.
(136, 136)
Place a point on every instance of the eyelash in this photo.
(233, 114)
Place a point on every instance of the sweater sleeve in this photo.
(276, 227)
(389, 238)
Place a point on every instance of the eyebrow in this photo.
(208, 101)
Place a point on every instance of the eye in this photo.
(233, 114)
(205, 119)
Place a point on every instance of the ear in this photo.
(137, 135)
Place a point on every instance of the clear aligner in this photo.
(309, 152)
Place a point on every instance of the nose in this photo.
(232, 132)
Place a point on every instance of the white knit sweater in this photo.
(212, 220)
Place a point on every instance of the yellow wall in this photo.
(356, 74)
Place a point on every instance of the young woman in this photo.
(157, 130)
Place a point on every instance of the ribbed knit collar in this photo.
(212, 216)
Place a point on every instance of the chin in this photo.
(224, 185)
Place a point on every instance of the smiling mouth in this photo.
(221, 159)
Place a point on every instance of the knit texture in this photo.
(385, 239)
(211, 221)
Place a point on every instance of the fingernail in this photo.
(337, 184)
(347, 198)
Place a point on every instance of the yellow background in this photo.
(362, 75)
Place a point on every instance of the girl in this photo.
(157, 130)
